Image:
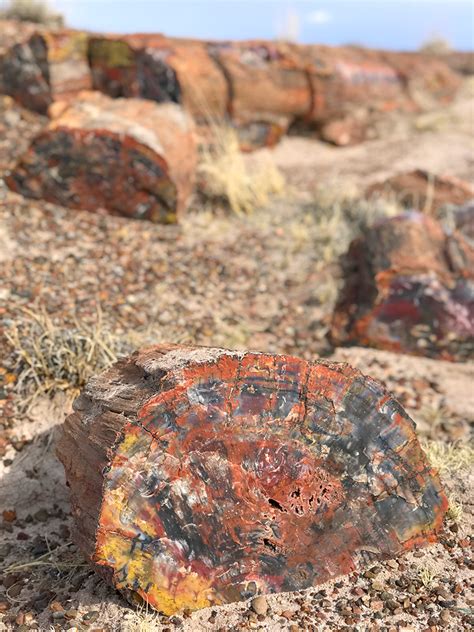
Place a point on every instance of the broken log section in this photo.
(130, 157)
(409, 287)
(161, 69)
(202, 476)
(39, 66)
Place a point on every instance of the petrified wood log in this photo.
(128, 156)
(268, 89)
(201, 476)
(409, 287)
(161, 69)
(38, 66)
(422, 190)
(353, 87)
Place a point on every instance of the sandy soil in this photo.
(227, 281)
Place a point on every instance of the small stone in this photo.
(259, 604)
(71, 614)
(445, 616)
(90, 616)
(9, 515)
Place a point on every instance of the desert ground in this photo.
(267, 281)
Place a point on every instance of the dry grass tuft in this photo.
(227, 178)
(49, 358)
(455, 510)
(427, 576)
(449, 457)
(342, 215)
(36, 11)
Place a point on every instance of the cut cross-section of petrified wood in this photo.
(128, 156)
(203, 476)
(409, 286)
(39, 66)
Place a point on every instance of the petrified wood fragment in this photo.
(268, 89)
(422, 190)
(161, 69)
(128, 156)
(409, 287)
(201, 476)
(38, 66)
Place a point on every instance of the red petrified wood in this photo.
(201, 476)
(409, 287)
(128, 156)
(39, 66)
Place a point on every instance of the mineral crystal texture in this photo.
(203, 476)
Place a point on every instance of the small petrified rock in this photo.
(409, 287)
(259, 605)
(202, 476)
(130, 157)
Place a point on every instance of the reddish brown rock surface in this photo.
(161, 69)
(268, 89)
(39, 66)
(128, 156)
(201, 476)
(409, 287)
(421, 190)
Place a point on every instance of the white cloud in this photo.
(320, 16)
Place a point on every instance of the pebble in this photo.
(259, 604)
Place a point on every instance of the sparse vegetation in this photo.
(436, 45)
(427, 576)
(227, 177)
(49, 358)
(340, 216)
(37, 11)
(455, 510)
(449, 457)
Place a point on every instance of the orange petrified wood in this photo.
(202, 476)
(39, 66)
(128, 156)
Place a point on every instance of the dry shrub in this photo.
(36, 11)
(341, 215)
(449, 457)
(49, 358)
(227, 177)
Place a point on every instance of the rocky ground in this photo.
(266, 281)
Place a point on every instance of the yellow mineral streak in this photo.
(184, 590)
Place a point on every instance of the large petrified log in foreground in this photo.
(201, 476)
(409, 287)
(128, 156)
(39, 66)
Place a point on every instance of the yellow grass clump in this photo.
(226, 175)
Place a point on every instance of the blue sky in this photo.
(398, 24)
